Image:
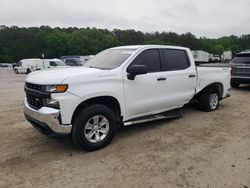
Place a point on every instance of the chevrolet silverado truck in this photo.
(118, 87)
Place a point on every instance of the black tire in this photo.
(28, 71)
(80, 122)
(205, 100)
(235, 84)
(16, 71)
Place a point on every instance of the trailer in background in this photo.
(227, 56)
(200, 56)
(210, 58)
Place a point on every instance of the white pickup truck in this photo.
(119, 87)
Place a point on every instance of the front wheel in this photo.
(94, 127)
(16, 71)
(209, 100)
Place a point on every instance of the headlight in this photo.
(56, 88)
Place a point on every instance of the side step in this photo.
(177, 113)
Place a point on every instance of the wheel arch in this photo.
(216, 85)
(109, 101)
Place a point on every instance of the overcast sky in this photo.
(210, 18)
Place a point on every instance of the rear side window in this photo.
(174, 59)
(150, 58)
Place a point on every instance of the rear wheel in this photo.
(16, 71)
(235, 84)
(209, 100)
(94, 127)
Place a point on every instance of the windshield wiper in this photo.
(93, 67)
(101, 68)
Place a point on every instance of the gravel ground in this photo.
(199, 150)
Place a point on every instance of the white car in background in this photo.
(29, 65)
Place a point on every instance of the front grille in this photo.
(34, 102)
(242, 71)
(34, 86)
(36, 95)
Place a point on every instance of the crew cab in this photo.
(118, 87)
(240, 65)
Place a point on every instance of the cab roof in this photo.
(137, 47)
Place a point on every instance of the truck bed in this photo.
(213, 65)
(213, 73)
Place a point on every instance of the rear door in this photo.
(180, 77)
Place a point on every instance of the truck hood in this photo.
(57, 76)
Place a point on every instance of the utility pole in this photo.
(43, 60)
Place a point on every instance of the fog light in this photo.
(52, 103)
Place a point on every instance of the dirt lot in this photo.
(199, 150)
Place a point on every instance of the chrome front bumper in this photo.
(46, 116)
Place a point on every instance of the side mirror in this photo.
(134, 70)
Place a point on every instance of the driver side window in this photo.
(149, 58)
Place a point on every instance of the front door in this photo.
(145, 94)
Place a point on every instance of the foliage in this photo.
(18, 43)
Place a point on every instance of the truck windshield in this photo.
(109, 59)
(241, 59)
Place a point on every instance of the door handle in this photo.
(191, 75)
(161, 79)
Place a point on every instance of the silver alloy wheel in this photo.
(214, 100)
(96, 129)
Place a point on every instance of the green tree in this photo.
(218, 49)
(18, 43)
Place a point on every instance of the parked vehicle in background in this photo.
(200, 56)
(29, 65)
(14, 65)
(63, 58)
(87, 57)
(119, 87)
(82, 58)
(216, 58)
(26, 65)
(227, 56)
(5, 65)
(74, 62)
(240, 65)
